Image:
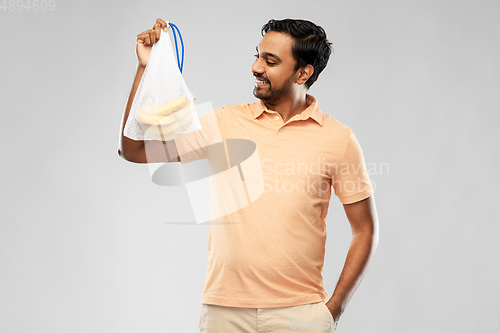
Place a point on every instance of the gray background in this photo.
(84, 241)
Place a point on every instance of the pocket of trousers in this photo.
(328, 311)
(334, 324)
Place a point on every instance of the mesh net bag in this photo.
(163, 107)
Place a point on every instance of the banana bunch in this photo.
(166, 121)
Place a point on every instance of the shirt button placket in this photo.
(278, 118)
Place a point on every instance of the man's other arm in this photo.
(362, 216)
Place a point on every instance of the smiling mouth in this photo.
(260, 83)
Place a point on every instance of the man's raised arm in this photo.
(135, 151)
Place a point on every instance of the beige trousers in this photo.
(308, 318)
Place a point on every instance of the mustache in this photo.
(259, 77)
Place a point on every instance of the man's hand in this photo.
(146, 39)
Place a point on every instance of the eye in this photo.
(269, 63)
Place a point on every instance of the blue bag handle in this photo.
(180, 63)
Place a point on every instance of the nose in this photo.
(257, 67)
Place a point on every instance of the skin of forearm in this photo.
(361, 251)
(128, 146)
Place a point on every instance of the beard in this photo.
(272, 96)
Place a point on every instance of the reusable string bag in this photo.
(163, 107)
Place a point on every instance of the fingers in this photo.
(153, 36)
(149, 37)
(157, 30)
(162, 24)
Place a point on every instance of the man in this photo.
(265, 262)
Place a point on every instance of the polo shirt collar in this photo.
(313, 111)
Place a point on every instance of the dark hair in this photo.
(310, 43)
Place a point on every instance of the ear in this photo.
(304, 73)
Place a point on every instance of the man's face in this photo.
(274, 68)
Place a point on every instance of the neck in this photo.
(290, 106)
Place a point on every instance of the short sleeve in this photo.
(194, 146)
(351, 181)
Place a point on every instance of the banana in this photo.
(182, 112)
(167, 121)
(185, 127)
(184, 117)
(185, 120)
(172, 106)
(148, 120)
(165, 129)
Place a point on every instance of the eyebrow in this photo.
(267, 54)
